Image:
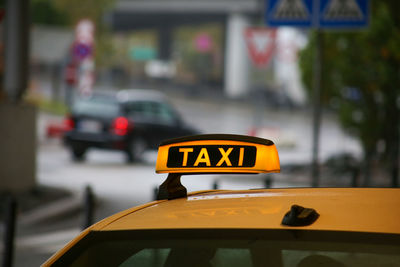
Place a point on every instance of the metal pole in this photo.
(11, 208)
(215, 185)
(396, 151)
(316, 107)
(155, 193)
(268, 181)
(355, 174)
(69, 96)
(88, 207)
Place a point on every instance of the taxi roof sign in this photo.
(215, 153)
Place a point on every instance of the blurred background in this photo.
(327, 94)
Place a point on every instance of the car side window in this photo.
(138, 108)
(163, 112)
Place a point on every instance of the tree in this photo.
(361, 81)
(44, 12)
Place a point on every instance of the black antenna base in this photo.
(172, 188)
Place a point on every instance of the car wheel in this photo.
(78, 154)
(136, 148)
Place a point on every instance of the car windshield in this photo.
(96, 106)
(234, 248)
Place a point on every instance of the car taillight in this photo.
(120, 126)
(69, 124)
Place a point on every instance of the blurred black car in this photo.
(131, 121)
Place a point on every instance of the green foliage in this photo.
(360, 76)
(45, 104)
(85, 9)
(44, 12)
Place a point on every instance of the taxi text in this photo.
(211, 156)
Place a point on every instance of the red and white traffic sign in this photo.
(260, 44)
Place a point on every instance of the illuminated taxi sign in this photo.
(217, 154)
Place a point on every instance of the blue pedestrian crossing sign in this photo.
(325, 14)
(343, 13)
(298, 13)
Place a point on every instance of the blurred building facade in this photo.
(49, 51)
(195, 45)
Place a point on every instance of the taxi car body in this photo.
(131, 121)
(260, 227)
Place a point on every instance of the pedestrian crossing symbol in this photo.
(342, 9)
(343, 13)
(289, 12)
(291, 9)
(324, 14)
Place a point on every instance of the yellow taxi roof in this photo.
(341, 209)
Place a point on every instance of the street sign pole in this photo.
(317, 72)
